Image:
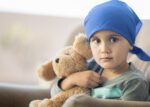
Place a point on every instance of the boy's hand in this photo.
(87, 79)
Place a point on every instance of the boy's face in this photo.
(109, 49)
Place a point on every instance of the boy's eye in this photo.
(113, 39)
(95, 40)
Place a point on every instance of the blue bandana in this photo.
(118, 17)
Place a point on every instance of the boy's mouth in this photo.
(106, 59)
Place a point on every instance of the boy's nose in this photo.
(105, 48)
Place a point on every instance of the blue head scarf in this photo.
(118, 17)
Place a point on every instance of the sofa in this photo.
(20, 95)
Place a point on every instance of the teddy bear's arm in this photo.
(61, 97)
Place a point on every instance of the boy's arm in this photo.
(57, 86)
(87, 79)
(67, 84)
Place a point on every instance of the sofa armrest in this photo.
(21, 95)
(119, 103)
(88, 101)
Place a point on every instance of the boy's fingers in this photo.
(96, 77)
(95, 74)
(92, 84)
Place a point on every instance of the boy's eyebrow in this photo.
(109, 35)
(114, 34)
(94, 37)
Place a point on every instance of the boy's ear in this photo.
(82, 46)
(46, 71)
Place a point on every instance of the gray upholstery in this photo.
(20, 95)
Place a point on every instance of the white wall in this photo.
(67, 8)
(28, 40)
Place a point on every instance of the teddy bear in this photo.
(70, 60)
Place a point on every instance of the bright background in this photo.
(67, 8)
(33, 31)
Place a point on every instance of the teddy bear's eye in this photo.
(57, 60)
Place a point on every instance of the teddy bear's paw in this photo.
(34, 103)
(46, 103)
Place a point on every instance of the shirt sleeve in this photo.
(92, 65)
(136, 90)
(55, 89)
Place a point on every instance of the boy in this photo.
(111, 29)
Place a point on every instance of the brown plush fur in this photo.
(70, 60)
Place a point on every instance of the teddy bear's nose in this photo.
(57, 60)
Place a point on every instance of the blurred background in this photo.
(33, 31)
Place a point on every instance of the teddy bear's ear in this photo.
(46, 72)
(82, 46)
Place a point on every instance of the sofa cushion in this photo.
(143, 41)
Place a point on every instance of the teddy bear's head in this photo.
(69, 60)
